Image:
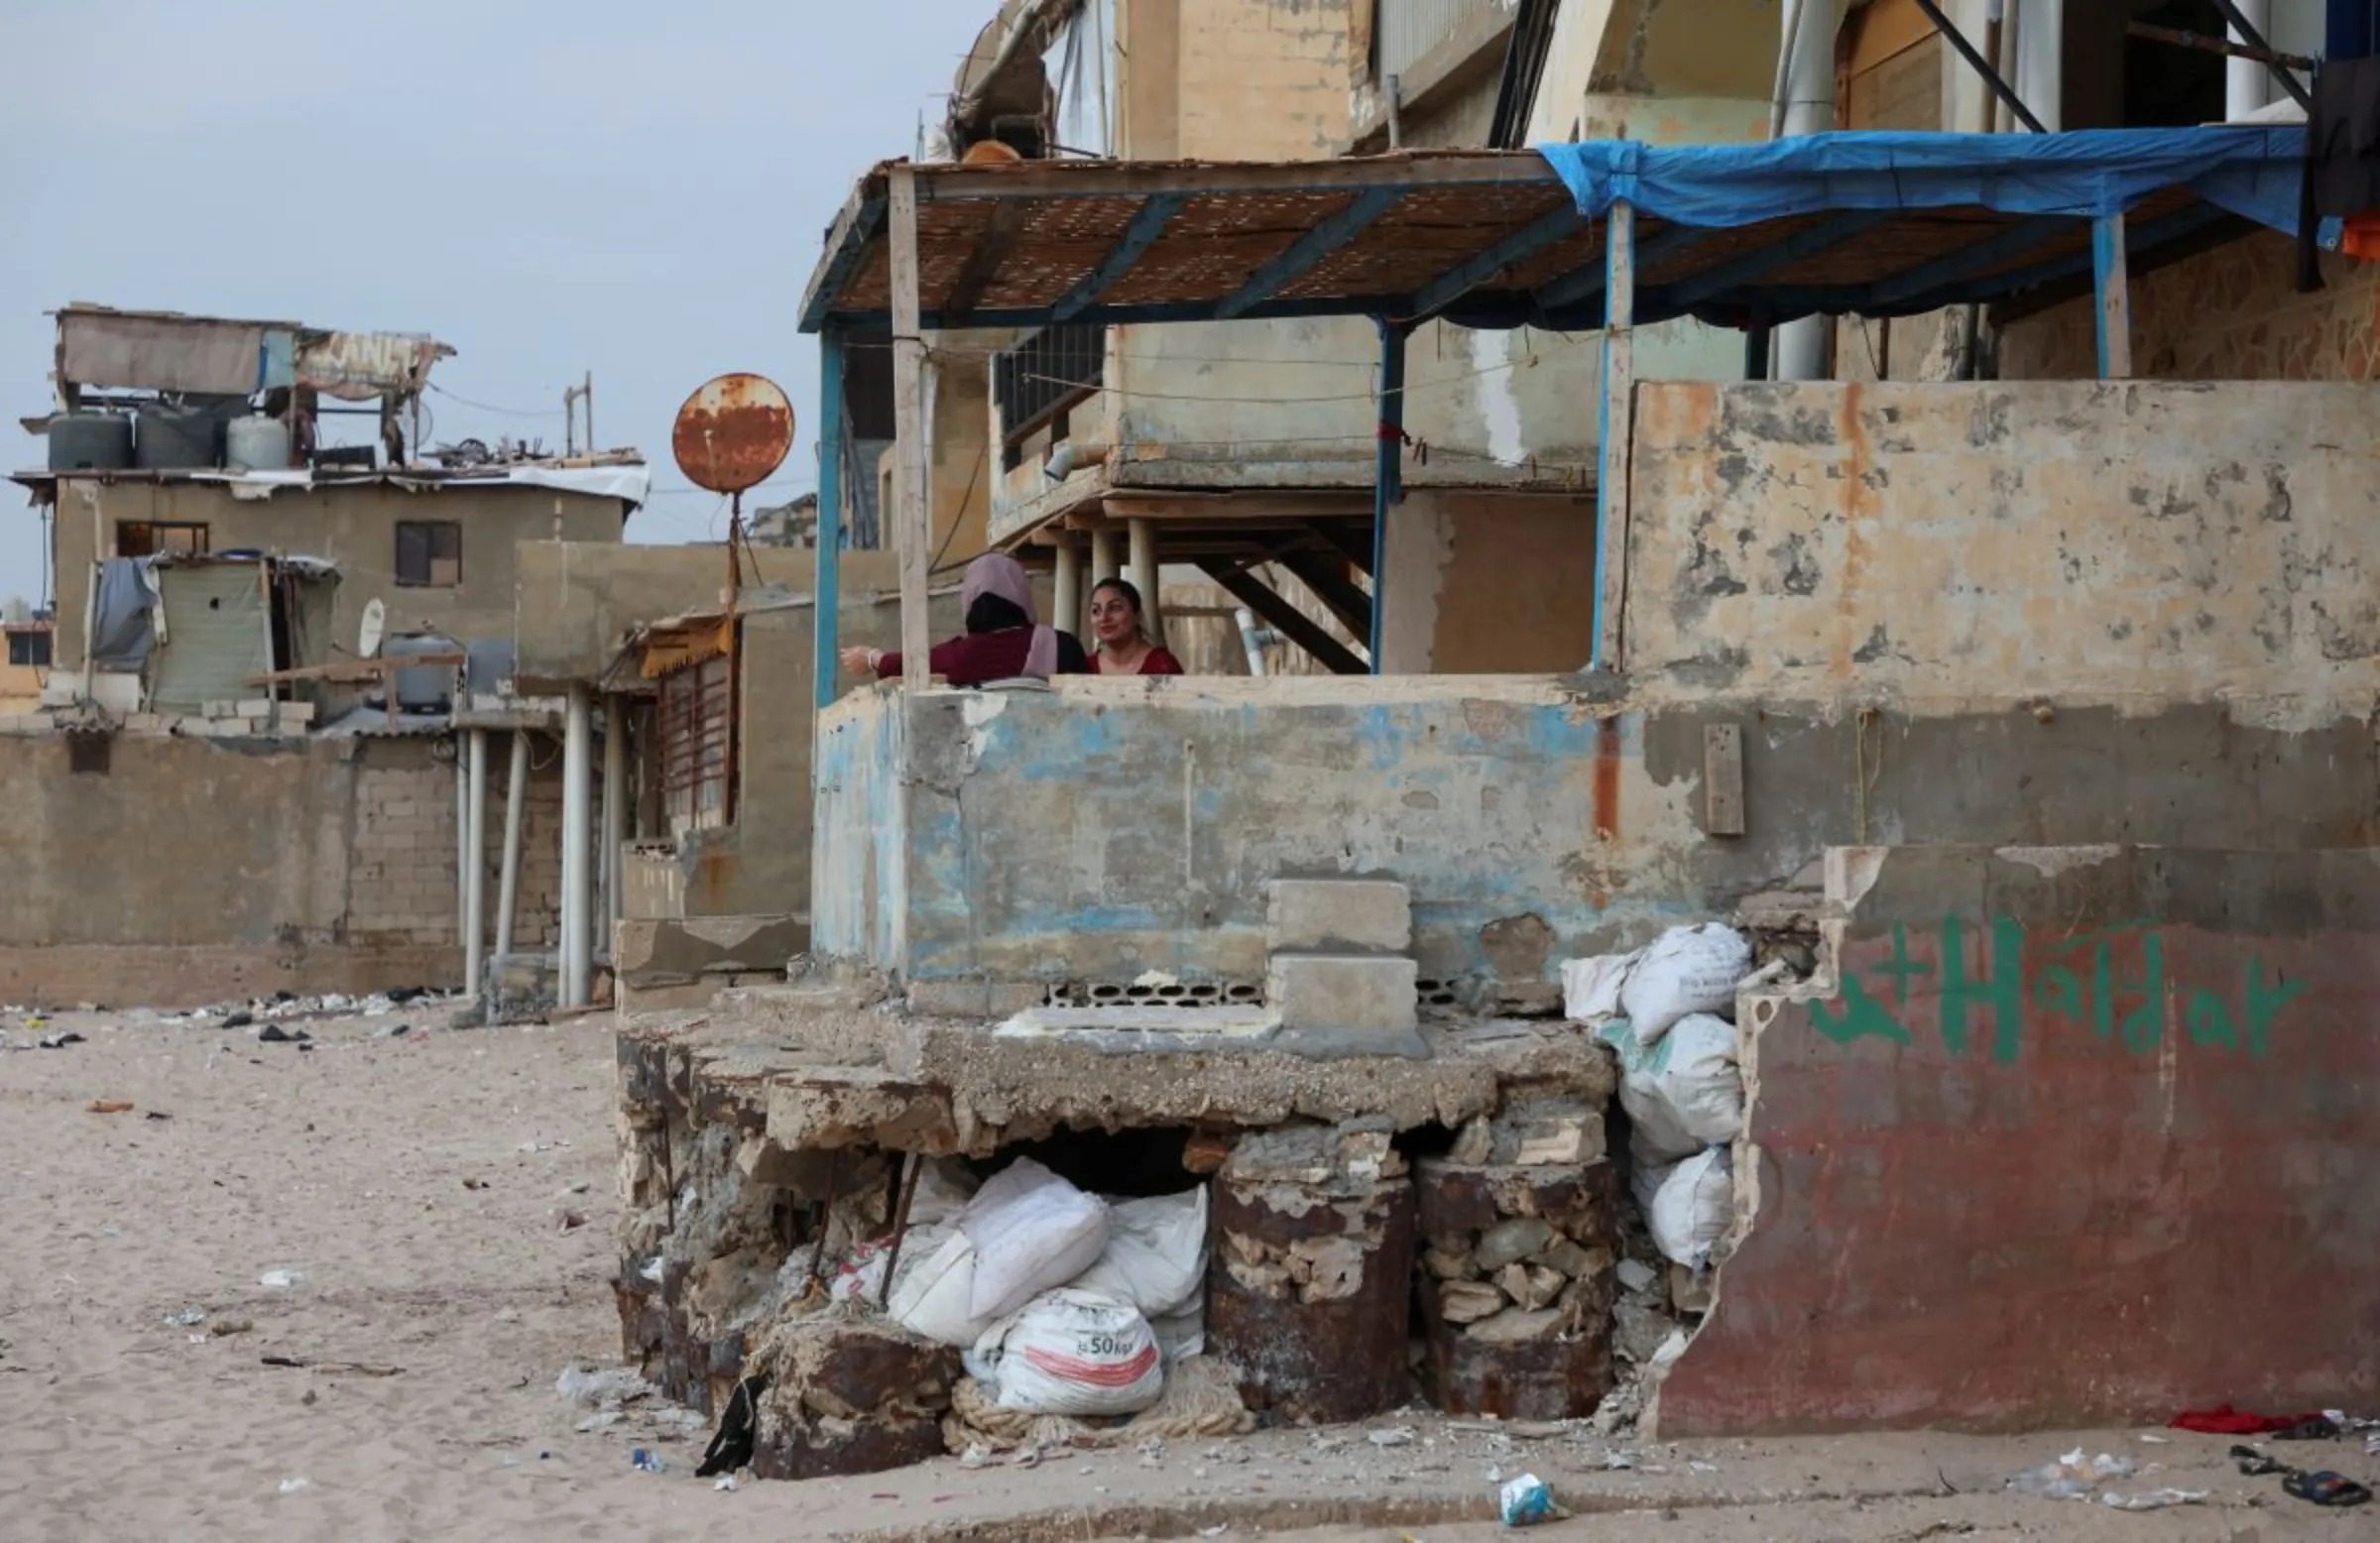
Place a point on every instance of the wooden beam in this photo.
(1809, 241)
(1284, 618)
(1322, 574)
(911, 461)
(356, 671)
(2112, 282)
(983, 263)
(1140, 179)
(1548, 229)
(1612, 471)
(1352, 541)
(1234, 506)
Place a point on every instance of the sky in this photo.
(633, 189)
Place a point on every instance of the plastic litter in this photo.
(292, 1486)
(1525, 1502)
(1689, 1206)
(280, 1279)
(645, 1462)
(1591, 987)
(1683, 1091)
(2153, 1499)
(2073, 1476)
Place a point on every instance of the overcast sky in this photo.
(619, 185)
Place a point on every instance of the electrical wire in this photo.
(484, 406)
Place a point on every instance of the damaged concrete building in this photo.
(2013, 694)
(272, 657)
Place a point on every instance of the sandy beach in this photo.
(442, 1206)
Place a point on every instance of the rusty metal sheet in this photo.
(733, 434)
(1309, 1295)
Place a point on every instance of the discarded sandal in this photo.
(2317, 1428)
(2326, 1489)
(2253, 1462)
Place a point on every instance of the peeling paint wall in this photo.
(2056, 1149)
(2065, 541)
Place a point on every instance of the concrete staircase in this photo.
(1339, 975)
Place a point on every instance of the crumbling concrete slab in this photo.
(654, 953)
(1338, 916)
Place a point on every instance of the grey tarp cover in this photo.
(120, 621)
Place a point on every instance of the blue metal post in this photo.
(1388, 474)
(2111, 292)
(827, 598)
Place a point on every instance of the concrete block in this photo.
(296, 715)
(1307, 916)
(256, 708)
(1367, 991)
(974, 998)
(220, 710)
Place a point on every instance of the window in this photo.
(698, 745)
(158, 537)
(29, 648)
(1034, 382)
(429, 553)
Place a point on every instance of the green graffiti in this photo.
(1991, 979)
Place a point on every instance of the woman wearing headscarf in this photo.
(1003, 641)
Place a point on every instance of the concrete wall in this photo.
(2068, 543)
(1488, 583)
(352, 525)
(195, 871)
(576, 600)
(2058, 1150)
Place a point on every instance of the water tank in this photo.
(258, 443)
(173, 438)
(90, 441)
(425, 688)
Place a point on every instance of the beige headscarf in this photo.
(995, 573)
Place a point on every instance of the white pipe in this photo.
(508, 881)
(1807, 47)
(475, 869)
(2041, 59)
(614, 811)
(579, 901)
(2247, 82)
(1253, 640)
(462, 834)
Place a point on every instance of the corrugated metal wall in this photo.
(1409, 29)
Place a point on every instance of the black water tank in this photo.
(174, 438)
(90, 441)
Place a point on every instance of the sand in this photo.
(420, 1189)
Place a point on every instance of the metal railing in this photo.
(1044, 376)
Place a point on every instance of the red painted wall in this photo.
(2070, 1148)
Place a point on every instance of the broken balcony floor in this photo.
(821, 1068)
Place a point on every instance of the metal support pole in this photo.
(1612, 470)
(826, 636)
(462, 829)
(912, 460)
(2113, 285)
(1066, 600)
(1808, 72)
(1388, 477)
(614, 811)
(1143, 535)
(1980, 65)
(508, 876)
(475, 869)
(579, 901)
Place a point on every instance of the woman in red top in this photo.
(1002, 643)
(1124, 645)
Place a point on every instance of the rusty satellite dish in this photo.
(733, 434)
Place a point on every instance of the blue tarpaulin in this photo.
(2251, 172)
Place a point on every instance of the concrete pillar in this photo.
(1144, 578)
(1066, 608)
(1801, 346)
(614, 812)
(2040, 78)
(475, 869)
(2247, 84)
(1103, 555)
(462, 834)
(578, 888)
(507, 879)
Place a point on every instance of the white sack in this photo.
(1689, 1205)
(1683, 1093)
(1156, 1254)
(1032, 1230)
(1686, 970)
(1073, 1353)
(1591, 987)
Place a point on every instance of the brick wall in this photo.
(403, 887)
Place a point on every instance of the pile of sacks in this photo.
(1667, 1012)
(1063, 1303)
